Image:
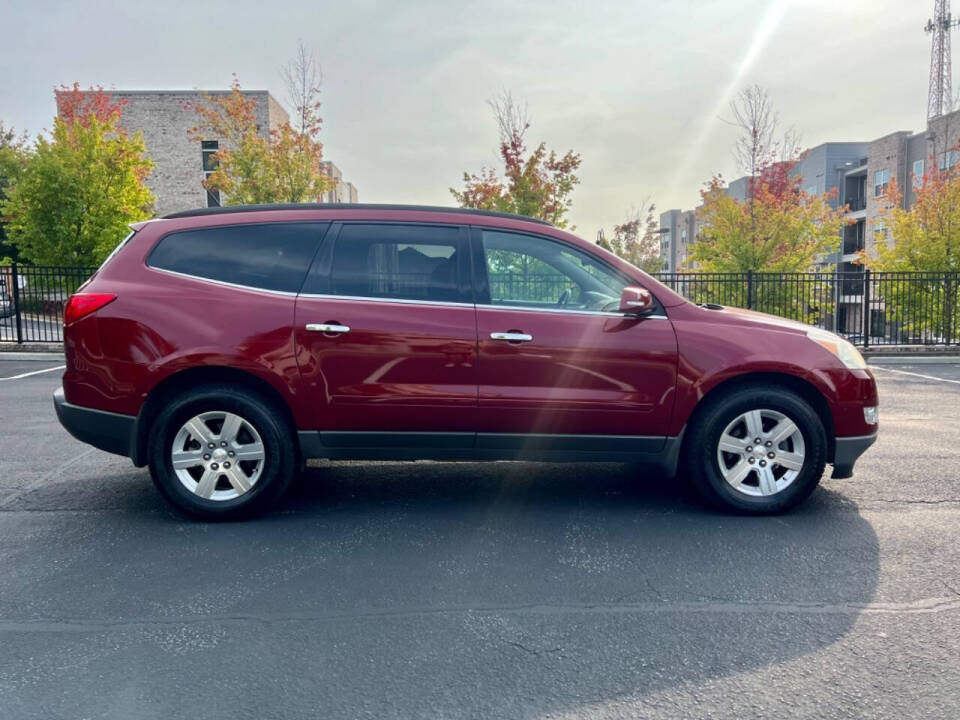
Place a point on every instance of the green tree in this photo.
(14, 154)
(537, 184)
(285, 166)
(82, 187)
(637, 240)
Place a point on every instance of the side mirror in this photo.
(635, 301)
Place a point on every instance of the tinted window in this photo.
(528, 271)
(406, 262)
(269, 256)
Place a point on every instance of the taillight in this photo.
(82, 304)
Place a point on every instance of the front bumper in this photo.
(104, 430)
(848, 450)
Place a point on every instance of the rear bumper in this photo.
(106, 431)
(848, 450)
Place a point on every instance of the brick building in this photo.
(165, 118)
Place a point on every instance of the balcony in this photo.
(857, 203)
(853, 237)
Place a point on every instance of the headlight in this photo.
(844, 350)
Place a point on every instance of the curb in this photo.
(939, 359)
(11, 348)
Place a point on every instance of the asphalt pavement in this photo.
(504, 590)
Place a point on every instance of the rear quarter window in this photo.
(273, 256)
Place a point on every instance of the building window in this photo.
(949, 160)
(880, 231)
(208, 150)
(918, 169)
(881, 182)
(812, 190)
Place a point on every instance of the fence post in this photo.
(866, 308)
(15, 278)
(749, 289)
(950, 301)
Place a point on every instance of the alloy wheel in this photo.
(218, 455)
(761, 452)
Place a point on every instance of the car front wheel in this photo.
(220, 453)
(758, 450)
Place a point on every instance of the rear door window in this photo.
(270, 256)
(401, 262)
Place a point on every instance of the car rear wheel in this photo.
(759, 450)
(221, 452)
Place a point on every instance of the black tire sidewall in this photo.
(705, 469)
(279, 463)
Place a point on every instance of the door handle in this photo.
(328, 328)
(517, 337)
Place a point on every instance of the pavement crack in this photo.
(531, 651)
(31, 486)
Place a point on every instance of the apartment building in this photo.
(342, 190)
(181, 163)
(678, 233)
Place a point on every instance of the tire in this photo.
(248, 481)
(735, 480)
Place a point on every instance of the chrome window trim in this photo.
(441, 303)
(403, 301)
(572, 312)
(222, 283)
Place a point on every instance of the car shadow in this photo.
(459, 589)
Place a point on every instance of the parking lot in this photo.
(442, 590)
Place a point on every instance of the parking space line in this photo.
(35, 372)
(919, 375)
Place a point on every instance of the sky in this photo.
(639, 88)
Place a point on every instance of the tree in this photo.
(284, 165)
(783, 230)
(637, 240)
(760, 148)
(14, 154)
(303, 77)
(786, 230)
(83, 185)
(925, 239)
(537, 184)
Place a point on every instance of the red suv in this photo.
(225, 347)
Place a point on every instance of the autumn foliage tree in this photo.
(82, 186)
(535, 183)
(784, 229)
(636, 240)
(924, 239)
(282, 165)
(781, 230)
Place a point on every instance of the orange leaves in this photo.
(538, 184)
(254, 167)
(74, 104)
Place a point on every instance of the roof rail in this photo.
(231, 209)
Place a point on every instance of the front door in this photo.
(386, 335)
(556, 358)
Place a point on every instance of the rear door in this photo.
(557, 358)
(386, 336)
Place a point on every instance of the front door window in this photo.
(526, 271)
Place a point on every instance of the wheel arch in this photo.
(191, 378)
(804, 388)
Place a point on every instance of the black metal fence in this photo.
(32, 299)
(869, 308)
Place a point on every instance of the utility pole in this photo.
(940, 97)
